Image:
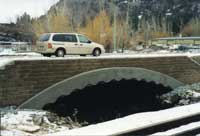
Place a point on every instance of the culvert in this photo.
(108, 101)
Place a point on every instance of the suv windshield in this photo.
(44, 37)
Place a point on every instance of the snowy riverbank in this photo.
(32, 122)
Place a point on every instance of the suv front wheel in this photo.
(96, 52)
(60, 53)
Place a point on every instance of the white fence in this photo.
(15, 46)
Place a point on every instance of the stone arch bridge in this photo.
(33, 83)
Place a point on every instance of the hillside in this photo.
(137, 21)
(179, 12)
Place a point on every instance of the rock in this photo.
(51, 117)
(139, 48)
(69, 120)
(61, 122)
(174, 98)
(38, 120)
(29, 128)
(85, 123)
(184, 102)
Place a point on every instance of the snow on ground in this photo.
(13, 119)
(134, 122)
(10, 52)
(4, 62)
(8, 56)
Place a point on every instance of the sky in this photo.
(10, 9)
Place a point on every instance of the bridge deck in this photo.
(31, 57)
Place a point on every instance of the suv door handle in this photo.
(81, 44)
(76, 44)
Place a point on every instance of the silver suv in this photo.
(61, 44)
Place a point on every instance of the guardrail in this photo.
(15, 46)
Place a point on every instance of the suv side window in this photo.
(70, 38)
(83, 39)
(64, 38)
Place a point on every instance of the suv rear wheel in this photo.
(96, 52)
(60, 53)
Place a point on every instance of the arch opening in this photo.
(108, 101)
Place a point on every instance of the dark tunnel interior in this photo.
(108, 101)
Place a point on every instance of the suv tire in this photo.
(60, 53)
(96, 52)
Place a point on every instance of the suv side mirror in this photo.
(89, 41)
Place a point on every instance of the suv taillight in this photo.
(50, 46)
